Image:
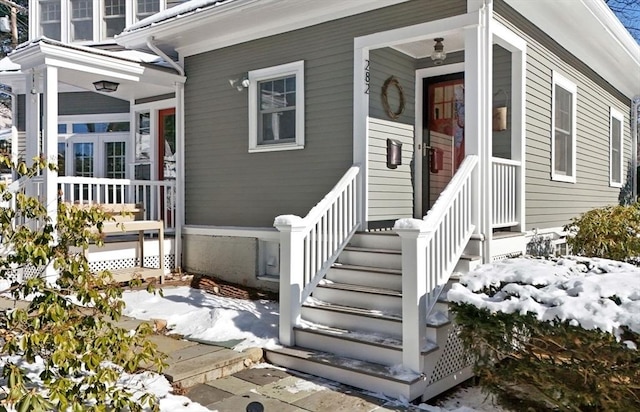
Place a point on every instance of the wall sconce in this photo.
(240, 84)
(438, 54)
(105, 86)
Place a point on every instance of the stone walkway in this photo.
(269, 389)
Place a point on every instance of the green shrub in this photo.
(573, 369)
(611, 232)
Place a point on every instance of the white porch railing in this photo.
(158, 197)
(310, 245)
(505, 179)
(431, 249)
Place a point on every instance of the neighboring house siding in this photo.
(89, 103)
(390, 190)
(226, 185)
(76, 104)
(551, 203)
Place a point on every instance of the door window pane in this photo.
(83, 159)
(115, 160)
(61, 158)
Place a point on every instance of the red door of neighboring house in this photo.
(167, 156)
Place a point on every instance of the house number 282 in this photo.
(367, 77)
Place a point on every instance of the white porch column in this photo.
(291, 274)
(50, 141)
(414, 295)
(180, 193)
(32, 119)
(478, 103)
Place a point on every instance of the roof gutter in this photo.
(151, 45)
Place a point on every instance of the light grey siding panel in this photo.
(551, 203)
(89, 103)
(390, 190)
(226, 185)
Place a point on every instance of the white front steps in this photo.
(351, 327)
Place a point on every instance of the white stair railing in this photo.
(505, 180)
(310, 245)
(430, 250)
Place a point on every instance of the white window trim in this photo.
(559, 80)
(615, 114)
(255, 76)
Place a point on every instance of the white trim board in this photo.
(262, 233)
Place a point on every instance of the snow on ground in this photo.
(590, 292)
(199, 315)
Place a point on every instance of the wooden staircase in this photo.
(351, 326)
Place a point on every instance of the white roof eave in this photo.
(593, 34)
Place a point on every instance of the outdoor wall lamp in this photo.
(240, 84)
(438, 54)
(105, 86)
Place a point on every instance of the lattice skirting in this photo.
(454, 358)
(149, 261)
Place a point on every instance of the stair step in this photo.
(373, 257)
(366, 276)
(375, 377)
(351, 318)
(381, 240)
(358, 296)
(367, 269)
(375, 348)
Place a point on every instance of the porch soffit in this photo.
(80, 68)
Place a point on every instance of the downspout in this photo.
(635, 118)
(179, 95)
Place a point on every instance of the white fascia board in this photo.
(182, 33)
(590, 31)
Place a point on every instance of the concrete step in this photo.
(351, 318)
(380, 258)
(366, 276)
(365, 375)
(376, 240)
(384, 300)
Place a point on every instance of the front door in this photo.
(442, 134)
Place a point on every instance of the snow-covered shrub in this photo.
(611, 232)
(570, 328)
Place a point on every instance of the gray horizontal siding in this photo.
(385, 63)
(78, 103)
(226, 185)
(89, 103)
(550, 203)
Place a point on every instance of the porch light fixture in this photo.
(239, 84)
(438, 54)
(105, 86)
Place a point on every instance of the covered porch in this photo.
(129, 153)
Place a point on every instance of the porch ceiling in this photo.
(423, 48)
(79, 67)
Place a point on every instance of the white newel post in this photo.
(414, 293)
(292, 232)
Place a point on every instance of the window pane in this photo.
(146, 8)
(62, 128)
(563, 154)
(278, 126)
(114, 20)
(50, 14)
(616, 154)
(83, 159)
(61, 156)
(81, 20)
(100, 127)
(115, 160)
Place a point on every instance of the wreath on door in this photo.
(392, 81)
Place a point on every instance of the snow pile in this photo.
(199, 315)
(590, 292)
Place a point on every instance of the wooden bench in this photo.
(129, 217)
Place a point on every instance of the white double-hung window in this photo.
(276, 108)
(616, 125)
(563, 129)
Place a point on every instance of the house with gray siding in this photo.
(357, 155)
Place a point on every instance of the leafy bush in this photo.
(573, 369)
(611, 232)
(68, 326)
